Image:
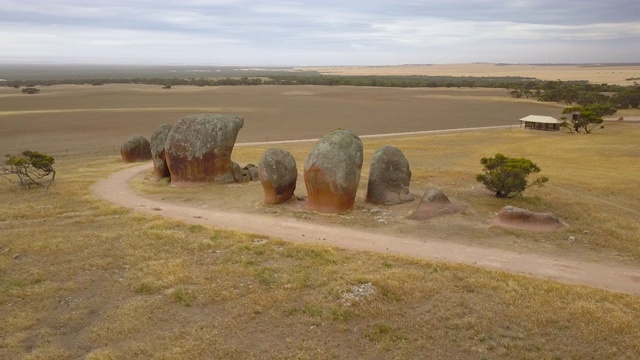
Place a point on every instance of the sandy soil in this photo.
(116, 188)
(595, 74)
(91, 119)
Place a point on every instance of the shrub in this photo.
(507, 177)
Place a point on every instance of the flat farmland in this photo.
(617, 74)
(91, 119)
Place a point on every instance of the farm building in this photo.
(538, 122)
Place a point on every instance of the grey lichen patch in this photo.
(195, 135)
(159, 139)
(135, 142)
(339, 154)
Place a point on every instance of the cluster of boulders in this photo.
(196, 149)
(332, 174)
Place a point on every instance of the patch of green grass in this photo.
(185, 297)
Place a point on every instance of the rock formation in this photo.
(389, 177)
(250, 173)
(523, 219)
(136, 148)
(278, 174)
(158, 141)
(199, 147)
(434, 203)
(332, 172)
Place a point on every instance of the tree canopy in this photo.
(30, 168)
(507, 177)
(586, 118)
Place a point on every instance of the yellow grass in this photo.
(84, 279)
(595, 74)
(590, 190)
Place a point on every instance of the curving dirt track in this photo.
(116, 189)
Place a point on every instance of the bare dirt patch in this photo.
(90, 119)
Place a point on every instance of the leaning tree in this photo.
(28, 169)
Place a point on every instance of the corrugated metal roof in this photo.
(540, 119)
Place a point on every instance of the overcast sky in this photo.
(286, 33)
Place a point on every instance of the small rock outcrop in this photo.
(198, 149)
(158, 142)
(523, 219)
(389, 177)
(136, 148)
(332, 172)
(434, 203)
(278, 175)
(250, 173)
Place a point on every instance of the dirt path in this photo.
(116, 189)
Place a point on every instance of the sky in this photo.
(319, 33)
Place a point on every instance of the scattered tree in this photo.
(507, 177)
(30, 168)
(586, 118)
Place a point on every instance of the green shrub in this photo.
(507, 177)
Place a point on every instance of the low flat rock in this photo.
(523, 219)
(434, 203)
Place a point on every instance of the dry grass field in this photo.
(598, 74)
(80, 278)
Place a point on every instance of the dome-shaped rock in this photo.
(332, 172)
(434, 203)
(199, 147)
(389, 177)
(158, 142)
(136, 148)
(278, 174)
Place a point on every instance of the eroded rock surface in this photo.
(198, 149)
(158, 142)
(434, 203)
(523, 219)
(389, 177)
(136, 148)
(278, 175)
(332, 172)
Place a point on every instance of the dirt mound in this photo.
(523, 219)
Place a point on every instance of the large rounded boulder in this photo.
(389, 177)
(158, 142)
(136, 148)
(278, 175)
(332, 172)
(198, 149)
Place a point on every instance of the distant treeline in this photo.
(568, 92)
(331, 80)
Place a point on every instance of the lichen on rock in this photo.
(332, 172)
(199, 148)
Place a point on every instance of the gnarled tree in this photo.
(28, 169)
(586, 118)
